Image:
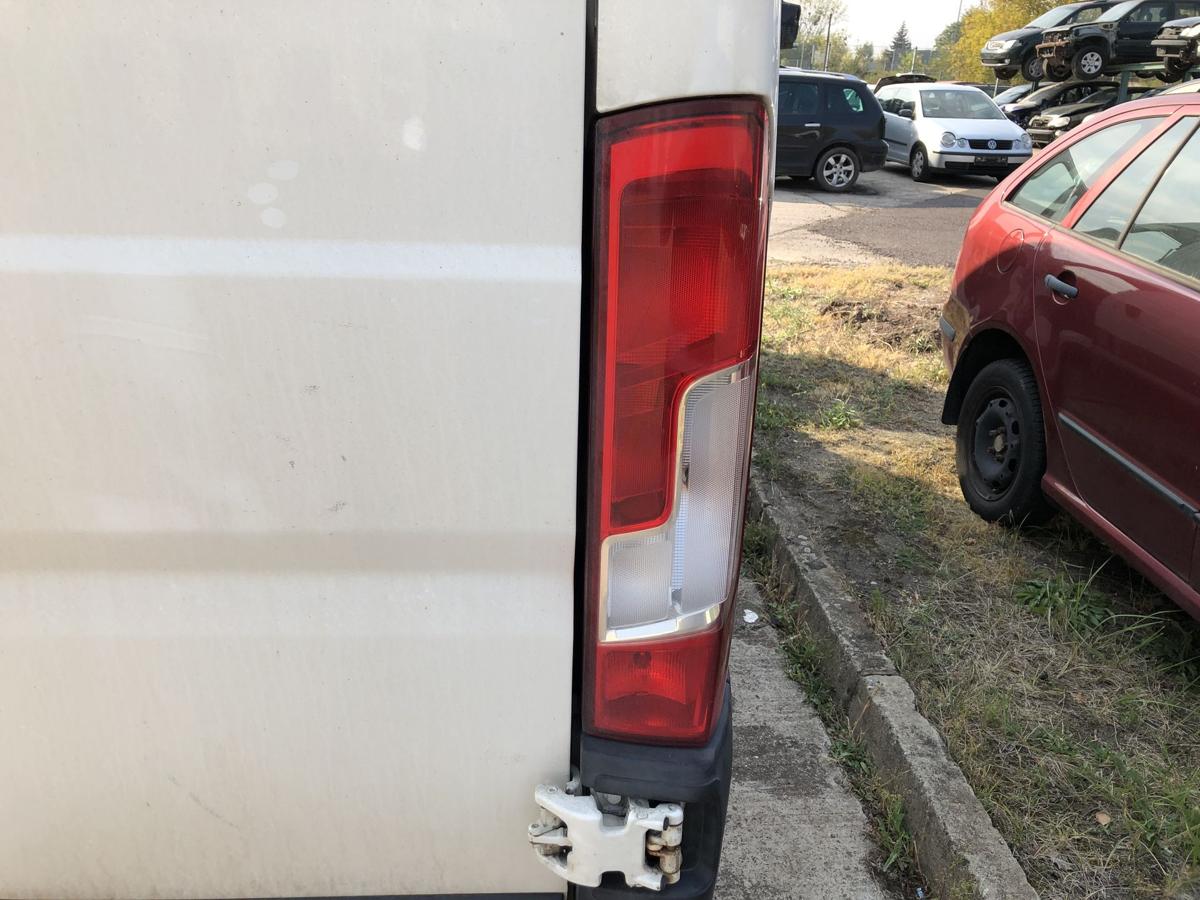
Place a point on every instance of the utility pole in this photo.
(959, 19)
(828, 36)
(913, 67)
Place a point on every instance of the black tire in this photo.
(1172, 72)
(1005, 74)
(1032, 68)
(1088, 64)
(1001, 445)
(837, 170)
(1057, 72)
(918, 164)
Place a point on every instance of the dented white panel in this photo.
(654, 50)
(289, 311)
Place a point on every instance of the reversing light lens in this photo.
(687, 566)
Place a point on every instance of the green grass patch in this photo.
(1066, 602)
(840, 416)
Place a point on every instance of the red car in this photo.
(1073, 337)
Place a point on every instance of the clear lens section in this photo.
(671, 575)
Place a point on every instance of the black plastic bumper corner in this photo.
(695, 776)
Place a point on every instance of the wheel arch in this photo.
(983, 348)
(1093, 42)
(836, 144)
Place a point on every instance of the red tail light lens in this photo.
(680, 236)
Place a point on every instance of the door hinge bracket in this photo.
(580, 838)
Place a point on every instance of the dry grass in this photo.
(1066, 687)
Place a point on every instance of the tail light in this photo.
(680, 241)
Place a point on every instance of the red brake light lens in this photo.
(680, 232)
(683, 205)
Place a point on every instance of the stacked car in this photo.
(1055, 121)
(1015, 52)
(1123, 35)
(1178, 47)
(1048, 96)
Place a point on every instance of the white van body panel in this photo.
(653, 50)
(289, 324)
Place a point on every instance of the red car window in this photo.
(1109, 216)
(1167, 229)
(1053, 190)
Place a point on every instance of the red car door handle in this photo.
(1062, 288)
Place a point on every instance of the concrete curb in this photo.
(958, 848)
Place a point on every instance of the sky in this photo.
(877, 20)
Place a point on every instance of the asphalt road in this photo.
(886, 215)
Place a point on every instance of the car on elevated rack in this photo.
(830, 129)
(1070, 335)
(1051, 124)
(944, 127)
(1123, 35)
(1054, 94)
(1178, 47)
(1015, 52)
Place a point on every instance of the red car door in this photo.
(1117, 317)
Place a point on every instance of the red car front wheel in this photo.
(1001, 445)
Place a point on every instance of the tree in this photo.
(815, 21)
(863, 63)
(899, 51)
(941, 63)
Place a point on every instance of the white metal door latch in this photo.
(582, 837)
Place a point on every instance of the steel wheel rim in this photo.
(1091, 62)
(838, 170)
(996, 445)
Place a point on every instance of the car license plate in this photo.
(1017, 160)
